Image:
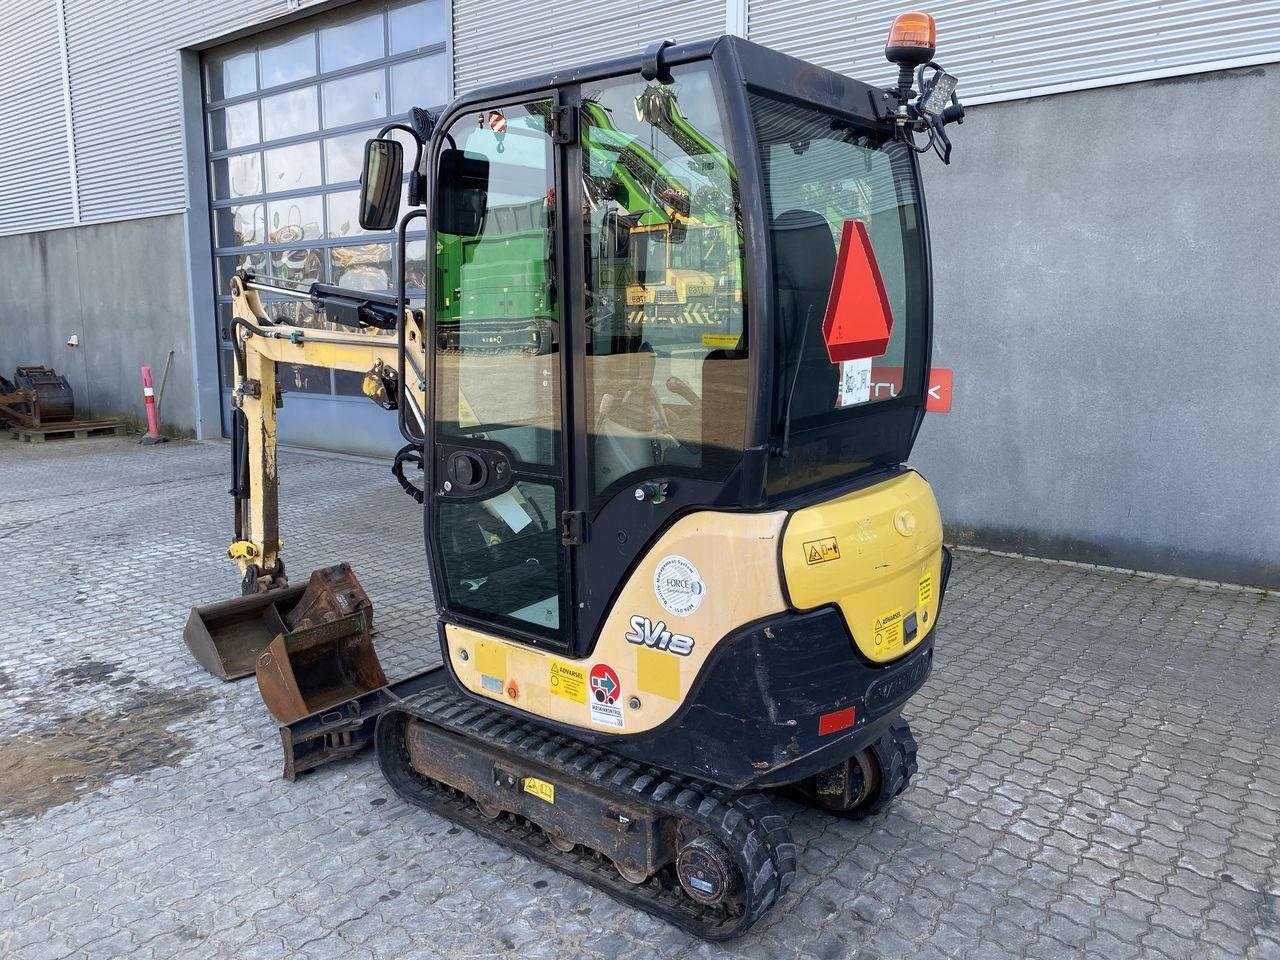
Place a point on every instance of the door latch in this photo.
(573, 528)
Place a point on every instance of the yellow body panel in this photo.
(734, 559)
(878, 554)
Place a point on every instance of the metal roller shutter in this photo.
(498, 40)
(1004, 51)
(35, 172)
(126, 98)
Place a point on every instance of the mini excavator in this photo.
(661, 374)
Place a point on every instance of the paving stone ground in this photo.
(1099, 760)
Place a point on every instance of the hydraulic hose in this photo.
(409, 453)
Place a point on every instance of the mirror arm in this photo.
(417, 179)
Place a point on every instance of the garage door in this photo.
(287, 115)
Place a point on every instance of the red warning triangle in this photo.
(859, 318)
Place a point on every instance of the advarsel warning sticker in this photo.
(888, 630)
(568, 681)
(926, 589)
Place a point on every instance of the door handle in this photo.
(466, 471)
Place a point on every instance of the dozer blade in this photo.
(227, 638)
(326, 656)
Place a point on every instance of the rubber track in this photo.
(748, 825)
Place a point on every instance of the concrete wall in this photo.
(122, 287)
(1108, 294)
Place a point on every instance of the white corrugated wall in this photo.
(35, 171)
(126, 96)
(497, 40)
(1004, 51)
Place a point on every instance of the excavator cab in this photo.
(641, 315)
(670, 361)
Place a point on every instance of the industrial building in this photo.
(1104, 286)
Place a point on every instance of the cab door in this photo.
(498, 444)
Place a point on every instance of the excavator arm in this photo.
(259, 346)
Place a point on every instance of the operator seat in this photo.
(804, 262)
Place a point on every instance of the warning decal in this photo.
(926, 589)
(540, 789)
(888, 630)
(568, 681)
(820, 551)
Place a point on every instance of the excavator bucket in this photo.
(326, 655)
(226, 638)
(314, 668)
(311, 646)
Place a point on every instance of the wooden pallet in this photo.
(79, 429)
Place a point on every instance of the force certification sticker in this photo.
(679, 588)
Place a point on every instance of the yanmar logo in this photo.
(645, 632)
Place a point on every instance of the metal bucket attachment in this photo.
(326, 657)
(227, 638)
(314, 668)
(332, 592)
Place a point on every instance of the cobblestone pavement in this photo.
(1099, 760)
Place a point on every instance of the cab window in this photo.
(666, 364)
(822, 172)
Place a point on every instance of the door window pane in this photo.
(233, 127)
(366, 267)
(255, 262)
(419, 83)
(294, 219)
(415, 265)
(299, 378)
(347, 44)
(417, 25)
(497, 371)
(238, 226)
(289, 114)
(232, 76)
(288, 60)
(302, 265)
(667, 359)
(294, 167)
(344, 156)
(296, 313)
(502, 556)
(344, 214)
(352, 99)
(236, 176)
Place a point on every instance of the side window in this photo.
(666, 345)
(822, 173)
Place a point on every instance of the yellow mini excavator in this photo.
(676, 564)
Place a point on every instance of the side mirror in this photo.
(462, 197)
(380, 184)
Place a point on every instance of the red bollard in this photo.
(153, 423)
